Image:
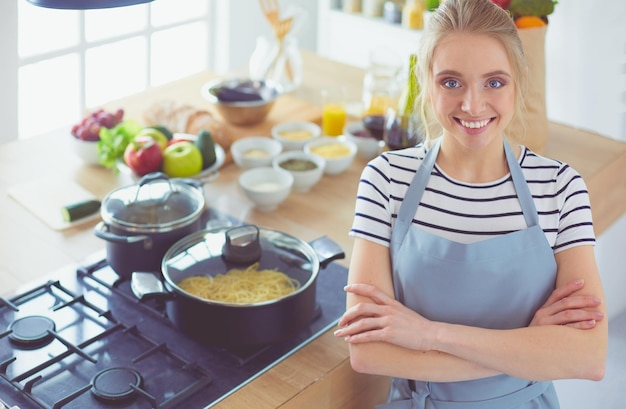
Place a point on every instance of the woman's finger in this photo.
(370, 291)
(564, 291)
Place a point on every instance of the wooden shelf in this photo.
(350, 37)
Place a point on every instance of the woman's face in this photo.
(473, 92)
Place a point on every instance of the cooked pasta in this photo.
(241, 286)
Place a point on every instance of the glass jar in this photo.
(351, 6)
(381, 83)
(280, 62)
(373, 8)
(392, 11)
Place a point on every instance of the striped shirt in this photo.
(468, 212)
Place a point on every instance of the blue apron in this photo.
(496, 283)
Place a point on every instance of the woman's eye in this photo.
(494, 83)
(451, 84)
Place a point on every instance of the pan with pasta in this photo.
(234, 303)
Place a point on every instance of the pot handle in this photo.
(327, 250)
(198, 184)
(102, 231)
(148, 286)
(242, 244)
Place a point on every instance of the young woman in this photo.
(473, 281)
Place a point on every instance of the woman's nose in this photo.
(473, 102)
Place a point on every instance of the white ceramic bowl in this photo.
(338, 152)
(255, 151)
(266, 187)
(303, 180)
(368, 147)
(86, 150)
(293, 135)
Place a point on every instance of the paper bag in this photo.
(535, 135)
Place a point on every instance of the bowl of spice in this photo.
(255, 151)
(293, 135)
(306, 169)
(338, 152)
(266, 187)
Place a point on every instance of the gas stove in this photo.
(84, 340)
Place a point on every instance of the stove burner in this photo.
(32, 332)
(115, 384)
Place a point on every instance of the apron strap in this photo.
(521, 187)
(414, 193)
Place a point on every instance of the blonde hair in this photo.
(474, 17)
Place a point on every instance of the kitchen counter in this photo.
(319, 375)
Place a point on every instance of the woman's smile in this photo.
(473, 126)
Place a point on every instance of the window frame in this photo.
(12, 62)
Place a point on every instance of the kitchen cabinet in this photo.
(318, 375)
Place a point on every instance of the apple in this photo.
(143, 155)
(502, 3)
(182, 159)
(178, 137)
(157, 135)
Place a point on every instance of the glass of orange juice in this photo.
(333, 112)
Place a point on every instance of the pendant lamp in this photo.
(85, 4)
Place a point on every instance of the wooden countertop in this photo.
(319, 375)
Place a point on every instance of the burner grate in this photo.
(59, 349)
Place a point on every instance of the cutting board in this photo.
(46, 197)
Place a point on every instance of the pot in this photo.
(216, 251)
(140, 222)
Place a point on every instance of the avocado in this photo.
(205, 143)
(164, 130)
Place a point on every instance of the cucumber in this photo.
(78, 210)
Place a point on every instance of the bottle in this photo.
(413, 15)
(402, 127)
(406, 102)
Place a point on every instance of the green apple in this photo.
(182, 159)
(156, 134)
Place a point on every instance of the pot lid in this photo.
(155, 204)
(218, 251)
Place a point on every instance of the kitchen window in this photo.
(69, 61)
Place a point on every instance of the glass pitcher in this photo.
(280, 62)
(382, 82)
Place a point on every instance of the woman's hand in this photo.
(383, 320)
(564, 308)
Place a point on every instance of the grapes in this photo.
(88, 129)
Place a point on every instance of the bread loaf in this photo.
(185, 118)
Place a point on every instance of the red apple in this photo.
(502, 3)
(143, 155)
